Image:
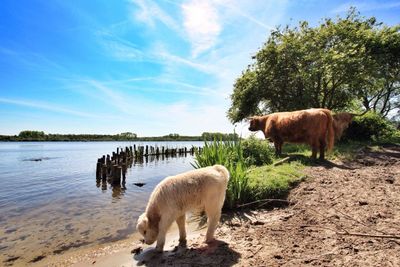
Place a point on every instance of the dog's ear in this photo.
(143, 222)
(154, 219)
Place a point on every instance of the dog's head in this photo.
(147, 228)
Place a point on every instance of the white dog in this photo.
(198, 189)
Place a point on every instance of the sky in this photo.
(148, 67)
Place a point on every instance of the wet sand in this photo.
(120, 253)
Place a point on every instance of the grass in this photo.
(247, 182)
(230, 155)
(270, 181)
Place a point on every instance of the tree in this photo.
(128, 135)
(380, 92)
(335, 65)
(32, 135)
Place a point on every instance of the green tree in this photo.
(32, 135)
(380, 91)
(330, 65)
(128, 135)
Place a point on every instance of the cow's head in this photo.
(254, 124)
(341, 122)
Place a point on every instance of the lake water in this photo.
(52, 205)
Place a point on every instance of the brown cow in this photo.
(341, 122)
(310, 126)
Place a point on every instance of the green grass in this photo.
(270, 181)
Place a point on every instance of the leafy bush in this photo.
(370, 127)
(257, 152)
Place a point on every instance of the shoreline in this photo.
(119, 253)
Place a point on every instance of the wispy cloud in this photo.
(149, 13)
(30, 60)
(168, 58)
(239, 11)
(48, 106)
(119, 48)
(202, 25)
(366, 6)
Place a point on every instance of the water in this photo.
(54, 204)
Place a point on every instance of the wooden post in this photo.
(147, 150)
(114, 174)
(104, 171)
(124, 167)
(98, 169)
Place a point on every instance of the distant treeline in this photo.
(128, 136)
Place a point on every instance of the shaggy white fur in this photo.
(203, 189)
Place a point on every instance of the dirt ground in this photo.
(343, 214)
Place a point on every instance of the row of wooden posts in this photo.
(114, 167)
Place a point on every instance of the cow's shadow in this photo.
(308, 161)
(218, 253)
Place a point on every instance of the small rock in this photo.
(278, 257)
(362, 203)
(390, 180)
(137, 250)
(257, 222)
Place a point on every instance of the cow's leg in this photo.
(314, 149)
(278, 147)
(322, 145)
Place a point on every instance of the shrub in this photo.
(370, 127)
(257, 152)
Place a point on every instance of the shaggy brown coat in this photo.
(310, 126)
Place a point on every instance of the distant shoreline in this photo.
(38, 136)
(136, 140)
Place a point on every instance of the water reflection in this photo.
(118, 191)
(118, 186)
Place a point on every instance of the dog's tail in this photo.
(223, 171)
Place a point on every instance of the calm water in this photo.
(52, 205)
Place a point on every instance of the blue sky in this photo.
(149, 67)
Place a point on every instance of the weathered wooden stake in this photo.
(98, 169)
(104, 171)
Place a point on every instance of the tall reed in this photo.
(229, 154)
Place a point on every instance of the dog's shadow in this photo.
(218, 253)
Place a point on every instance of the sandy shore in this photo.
(120, 253)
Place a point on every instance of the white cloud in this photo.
(168, 59)
(202, 25)
(48, 106)
(149, 13)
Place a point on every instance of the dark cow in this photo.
(310, 126)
